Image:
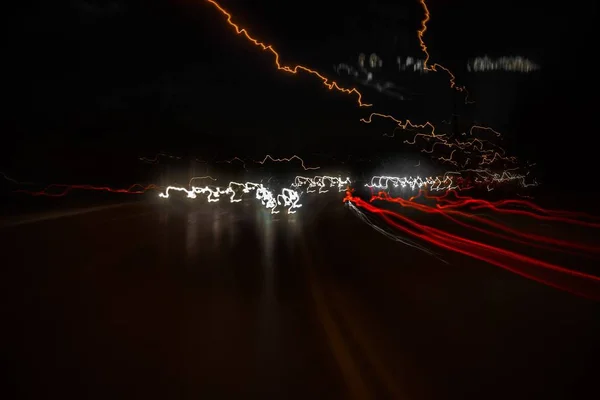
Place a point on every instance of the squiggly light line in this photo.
(198, 178)
(231, 160)
(294, 157)
(488, 151)
(320, 183)
(267, 198)
(331, 85)
(434, 183)
(433, 67)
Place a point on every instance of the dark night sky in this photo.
(88, 78)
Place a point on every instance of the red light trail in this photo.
(526, 238)
(575, 282)
(568, 217)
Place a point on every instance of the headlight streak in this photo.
(575, 282)
(392, 236)
(12, 180)
(199, 178)
(288, 198)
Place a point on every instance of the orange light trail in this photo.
(331, 85)
(433, 67)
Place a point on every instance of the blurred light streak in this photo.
(392, 236)
(529, 239)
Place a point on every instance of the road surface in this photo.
(168, 301)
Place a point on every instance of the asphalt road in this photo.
(155, 300)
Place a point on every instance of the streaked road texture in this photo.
(168, 301)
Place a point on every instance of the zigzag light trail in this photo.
(320, 183)
(288, 197)
(294, 157)
(267, 157)
(420, 34)
(331, 85)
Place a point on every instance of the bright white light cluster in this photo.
(433, 183)
(322, 184)
(288, 198)
(461, 180)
